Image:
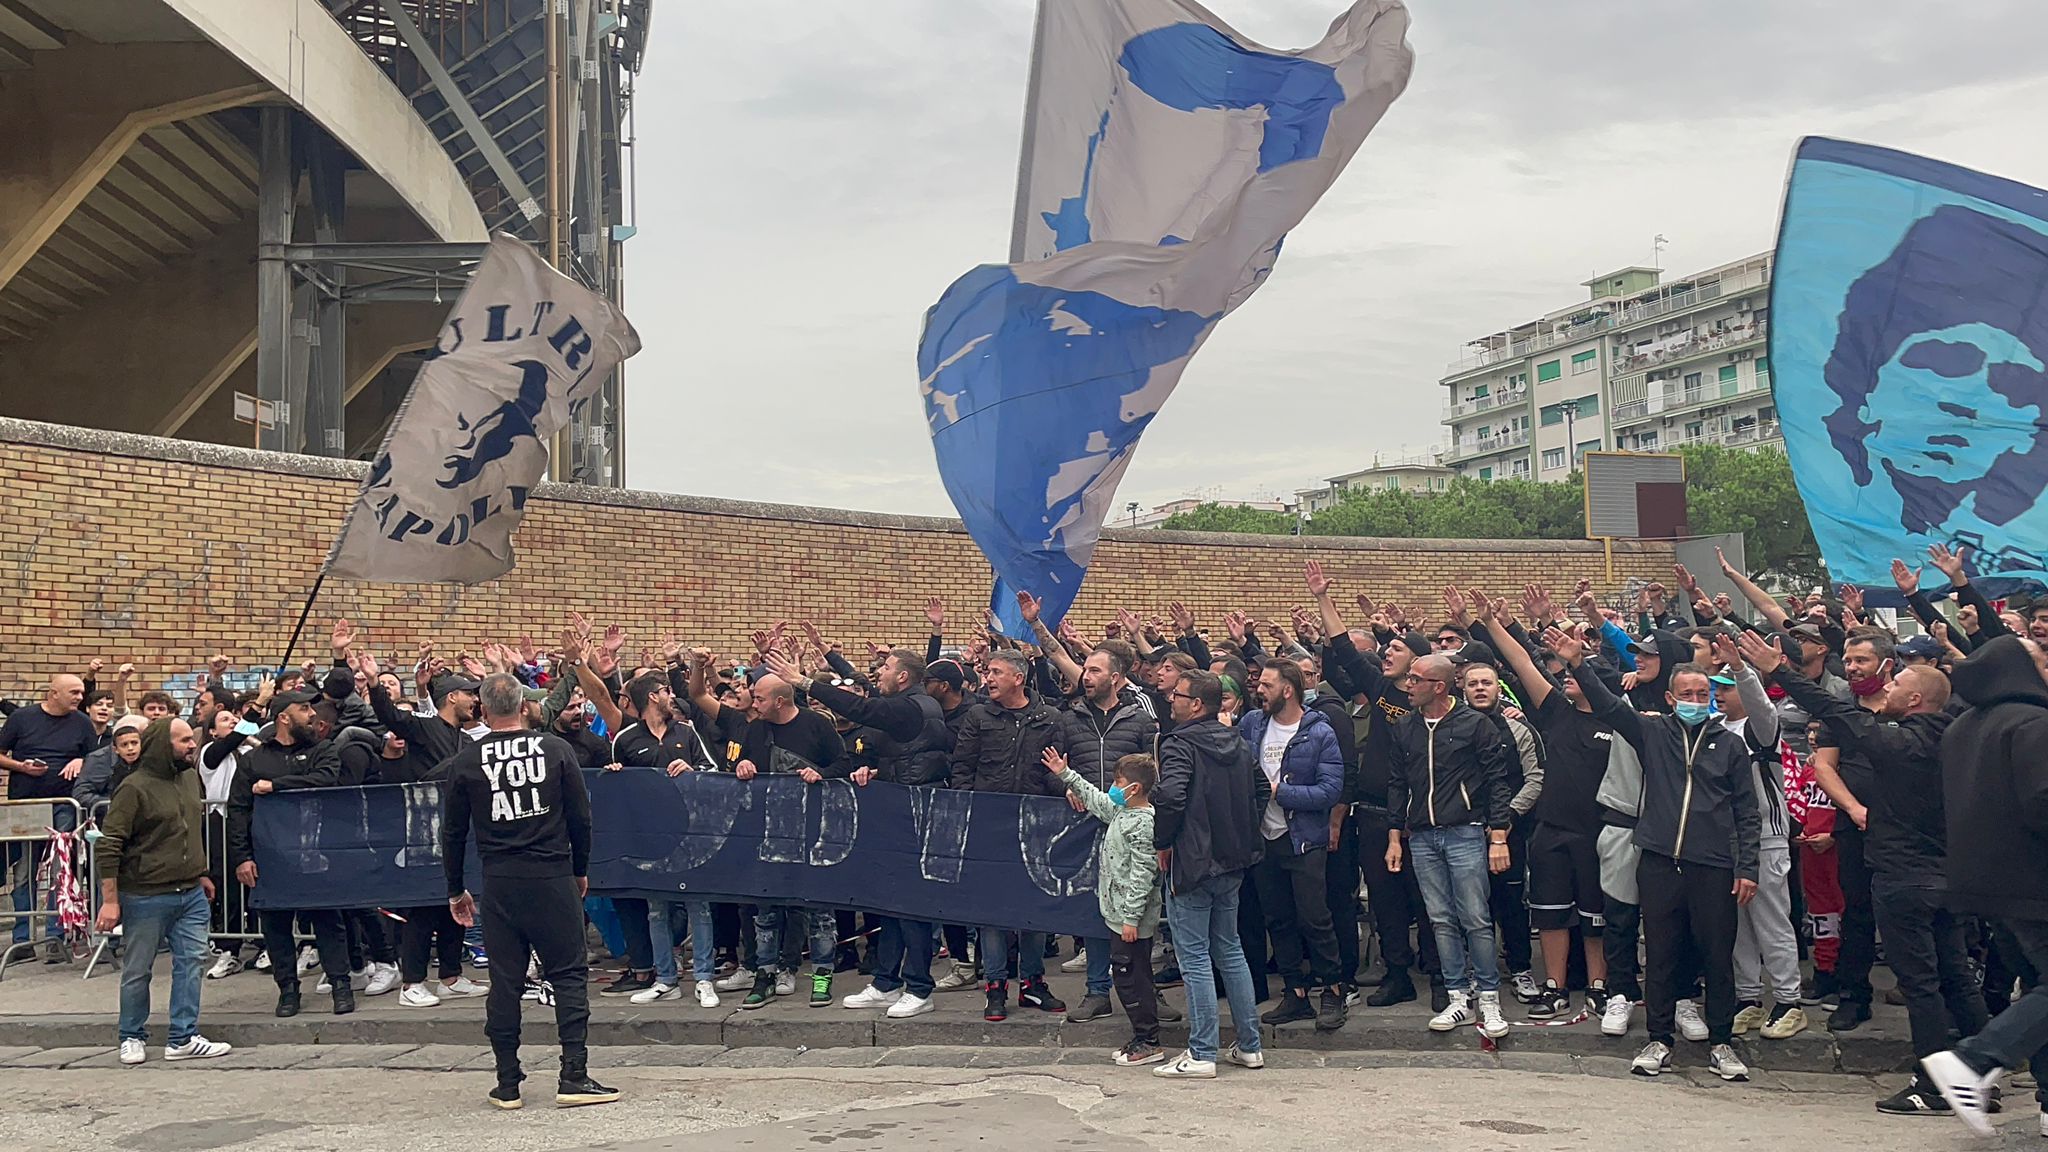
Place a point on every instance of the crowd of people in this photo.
(1716, 811)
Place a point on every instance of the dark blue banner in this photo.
(928, 853)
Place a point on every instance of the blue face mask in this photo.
(1117, 795)
(1693, 715)
(247, 728)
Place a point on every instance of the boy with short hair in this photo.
(1128, 889)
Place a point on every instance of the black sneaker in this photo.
(1330, 1011)
(287, 1002)
(1035, 994)
(1848, 1016)
(1550, 1003)
(628, 984)
(1439, 996)
(1293, 1006)
(1827, 991)
(1167, 977)
(578, 1090)
(1915, 1099)
(1396, 988)
(506, 1096)
(998, 1009)
(344, 997)
(762, 992)
(1091, 1007)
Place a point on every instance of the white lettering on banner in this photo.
(708, 819)
(941, 816)
(1040, 828)
(786, 821)
(310, 857)
(422, 827)
(838, 821)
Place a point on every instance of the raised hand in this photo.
(1183, 620)
(1055, 763)
(1318, 583)
(572, 645)
(935, 611)
(471, 666)
(342, 637)
(1723, 603)
(1852, 598)
(126, 671)
(1569, 648)
(1483, 604)
(1029, 606)
(1726, 650)
(604, 661)
(1908, 579)
(1237, 623)
(615, 639)
(1454, 603)
(811, 632)
(1765, 658)
(1365, 606)
(1950, 563)
(1727, 569)
(1154, 632)
(1397, 614)
(1686, 580)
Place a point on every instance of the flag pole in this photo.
(304, 611)
(1020, 220)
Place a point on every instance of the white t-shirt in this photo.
(1271, 750)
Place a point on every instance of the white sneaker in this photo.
(740, 980)
(133, 1052)
(660, 991)
(785, 983)
(707, 994)
(323, 987)
(1525, 987)
(1454, 1017)
(1491, 1023)
(2044, 1123)
(263, 961)
(1078, 962)
(417, 996)
(1186, 1067)
(963, 975)
(1968, 1093)
(383, 978)
(1654, 1058)
(870, 997)
(224, 966)
(1690, 1025)
(462, 986)
(1723, 1062)
(309, 959)
(198, 1048)
(1614, 1021)
(1244, 1059)
(908, 1006)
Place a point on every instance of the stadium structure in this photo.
(240, 221)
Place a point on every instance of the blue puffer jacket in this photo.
(1311, 775)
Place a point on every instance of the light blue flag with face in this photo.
(1909, 358)
(1167, 158)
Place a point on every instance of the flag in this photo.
(524, 347)
(1166, 158)
(1909, 362)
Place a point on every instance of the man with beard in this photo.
(153, 886)
(656, 738)
(291, 758)
(43, 749)
(572, 724)
(431, 738)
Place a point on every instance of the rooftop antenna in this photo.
(1657, 252)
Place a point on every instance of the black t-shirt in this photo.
(810, 740)
(33, 734)
(1857, 773)
(1575, 744)
(592, 750)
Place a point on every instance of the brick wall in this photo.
(165, 552)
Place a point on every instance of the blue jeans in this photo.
(1450, 865)
(1098, 965)
(768, 920)
(903, 956)
(662, 921)
(145, 921)
(1204, 922)
(995, 955)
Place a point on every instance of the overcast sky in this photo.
(812, 176)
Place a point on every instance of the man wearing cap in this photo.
(946, 682)
(291, 758)
(1918, 650)
(437, 737)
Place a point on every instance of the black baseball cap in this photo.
(284, 700)
(948, 672)
(1921, 647)
(440, 689)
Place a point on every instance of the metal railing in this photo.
(1707, 293)
(1678, 400)
(1468, 447)
(231, 918)
(1526, 345)
(26, 829)
(1696, 347)
(1486, 404)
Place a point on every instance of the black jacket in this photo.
(1095, 742)
(1454, 774)
(1698, 808)
(1351, 673)
(1000, 749)
(905, 735)
(1995, 783)
(1907, 833)
(1211, 795)
(286, 767)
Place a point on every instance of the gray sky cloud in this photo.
(812, 176)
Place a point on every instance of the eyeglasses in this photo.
(1181, 696)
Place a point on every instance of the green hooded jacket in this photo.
(153, 839)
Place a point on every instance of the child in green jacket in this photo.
(1128, 889)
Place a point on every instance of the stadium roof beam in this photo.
(471, 123)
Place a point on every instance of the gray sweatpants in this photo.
(1765, 945)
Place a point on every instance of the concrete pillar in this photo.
(277, 195)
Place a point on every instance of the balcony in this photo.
(1485, 404)
(1472, 447)
(1681, 399)
(1755, 435)
(1708, 293)
(1521, 348)
(1698, 346)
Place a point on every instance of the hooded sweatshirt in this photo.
(1994, 762)
(153, 835)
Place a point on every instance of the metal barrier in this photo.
(25, 828)
(232, 920)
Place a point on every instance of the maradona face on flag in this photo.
(1909, 354)
(523, 348)
(1166, 161)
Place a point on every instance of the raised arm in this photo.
(1056, 653)
(1604, 704)
(1534, 683)
(1763, 601)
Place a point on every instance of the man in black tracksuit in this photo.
(1106, 724)
(291, 758)
(1698, 831)
(522, 794)
(912, 746)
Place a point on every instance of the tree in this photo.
(1231, 518)
(1730, 490)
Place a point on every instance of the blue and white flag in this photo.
(1909, 359)
(523, 348)
(1166, 158)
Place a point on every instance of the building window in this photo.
(1692, 381)
(1549, 370)
(1486, 473)
(1553, 458)
(1483, 432)
(1553, 414)
(1648, 440)
(1692, 430)
(1517, 381)
(1393, 483)
(1588, 405)
(1585, 362)
(1585, 447)
(1763, 369)
(1436, 482)
(1522, 467)
(1479, 391)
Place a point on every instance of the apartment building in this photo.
(1414, 472)
(1642, 364)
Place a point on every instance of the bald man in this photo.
(1907, 849)
(43, 748)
